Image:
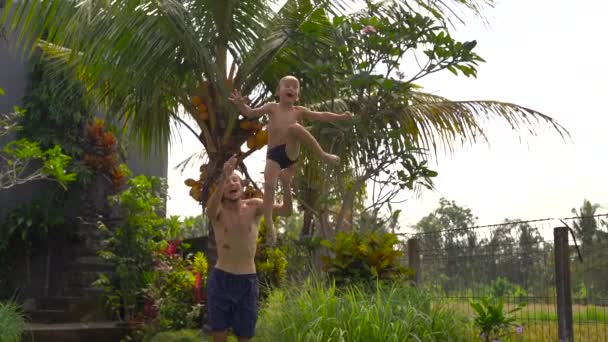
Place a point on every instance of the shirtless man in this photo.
(232, 294)
(285, 135)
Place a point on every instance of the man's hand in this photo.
(229, 166)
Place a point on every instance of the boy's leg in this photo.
(271, 173)
(299, 134)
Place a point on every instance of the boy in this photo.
(232, 293)
(285, 135)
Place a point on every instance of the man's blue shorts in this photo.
(232, 301)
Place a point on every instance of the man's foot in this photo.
(331, 159)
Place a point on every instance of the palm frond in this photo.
(194, 159)
(136, 57)
(432, 119)
(297, 22)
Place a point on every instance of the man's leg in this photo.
(220, 336)
(303, 136)
(246, 314)
(271, 173)
(244, 339)
(218, 305)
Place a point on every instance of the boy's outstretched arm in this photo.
(245, 109)
(325, 116)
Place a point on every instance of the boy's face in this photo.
(289, 90)
(233, 189)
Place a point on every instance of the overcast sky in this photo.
(545, 55)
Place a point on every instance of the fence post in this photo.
(562, 284)
(413, 253)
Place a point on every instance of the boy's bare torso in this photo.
(279, 119)
(236, 233)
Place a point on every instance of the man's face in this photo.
(233, 189)
(289, 90)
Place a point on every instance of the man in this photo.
(232, 295)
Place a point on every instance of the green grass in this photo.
(546, 312)
(319, 312)
(12, 322)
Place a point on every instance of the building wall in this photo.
(13, 79)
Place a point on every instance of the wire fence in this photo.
(516, 262)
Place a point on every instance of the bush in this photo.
(130, 245)
(12, 322)
(174, 297)
(492, 321)
(270, 263)
(363, 257)
(321, 312)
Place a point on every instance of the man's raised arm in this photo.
(215, 200)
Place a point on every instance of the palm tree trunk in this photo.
(307, 224)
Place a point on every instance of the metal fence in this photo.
(558, 268)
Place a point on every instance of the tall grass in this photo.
(12, 322)
(320, 312)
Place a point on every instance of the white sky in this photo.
(545, 55)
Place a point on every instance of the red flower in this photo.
(197, 289)
(172, 248)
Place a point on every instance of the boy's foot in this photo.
(332, 159)
(271, 240)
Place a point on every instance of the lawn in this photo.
(540, 320)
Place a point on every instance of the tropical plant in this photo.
(23, 160)
(12, 322)
(363, 257)
(155, 61)
(130, 245)
(174, 297)
(492, 320)
(194, 227)
(270, 263)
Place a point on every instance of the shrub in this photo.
(174, 297)
(361, 257)
(492, 320)
(270, 263)
(12, 322)
(129, 246)
(321, 312)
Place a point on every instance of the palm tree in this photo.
(587, 229)
(152, 63)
